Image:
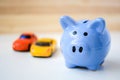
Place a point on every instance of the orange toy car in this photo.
(24, 42)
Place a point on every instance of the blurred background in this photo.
(42, 16)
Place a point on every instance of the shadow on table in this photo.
(111, 65)
(57, 53)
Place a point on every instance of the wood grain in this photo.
(43, 15)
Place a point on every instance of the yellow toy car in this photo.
(43, 47)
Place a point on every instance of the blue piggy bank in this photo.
(84, 43)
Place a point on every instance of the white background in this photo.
(22, 66)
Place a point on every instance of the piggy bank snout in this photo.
(74, 49)
(79, 48)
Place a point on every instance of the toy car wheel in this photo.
(29, 47)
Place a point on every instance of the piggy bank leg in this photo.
(94, 68)
(101, 63)
(69, 65)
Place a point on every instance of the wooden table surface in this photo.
(43, 15)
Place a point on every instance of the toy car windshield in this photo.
(43, 43)
(25, 37)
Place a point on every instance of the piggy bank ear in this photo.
(98, 25)
(66, 21)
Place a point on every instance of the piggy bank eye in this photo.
(85, 33)
(74, 32)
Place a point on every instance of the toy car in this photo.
(24, 42)
(43, 47)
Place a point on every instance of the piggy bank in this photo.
(84, 43)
